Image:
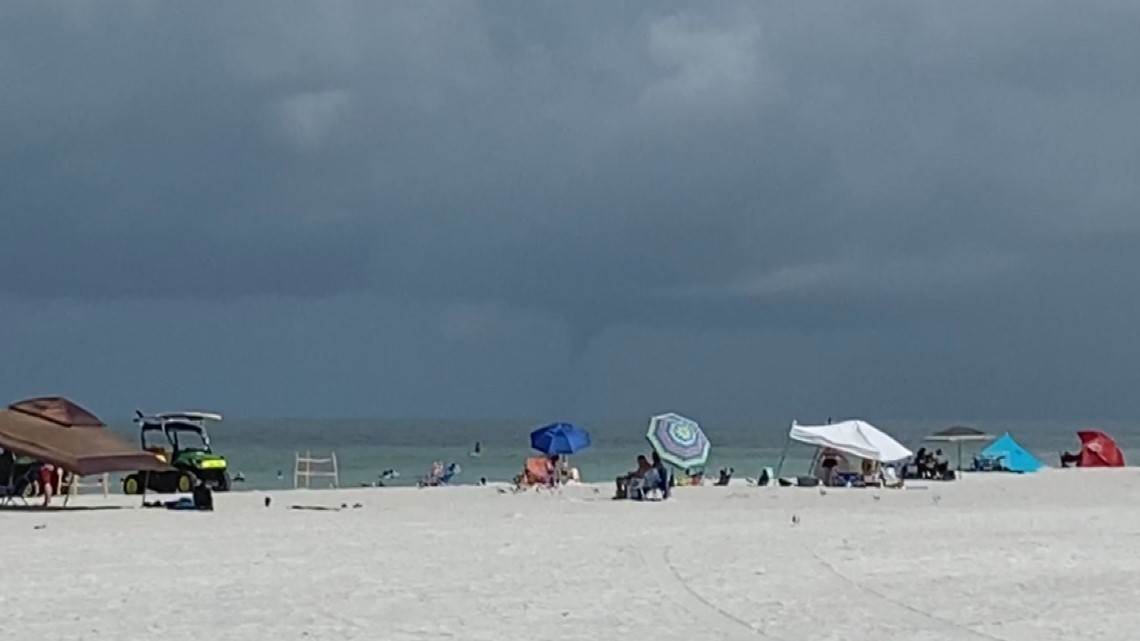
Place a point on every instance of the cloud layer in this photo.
(919, 169)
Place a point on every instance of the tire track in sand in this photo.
(677, 589)
(863, 588)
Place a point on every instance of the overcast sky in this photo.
(573, 209)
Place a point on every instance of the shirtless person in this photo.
(621, 482)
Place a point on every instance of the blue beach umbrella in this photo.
(679, 441)
(559, 438)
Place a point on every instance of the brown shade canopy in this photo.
(58, 431)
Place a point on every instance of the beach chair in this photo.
(644, 488)
(987, 464)
(13, 490)
(536, 473)
(637, 489)
(890, 478)
(9, 495)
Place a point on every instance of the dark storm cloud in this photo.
(730, 163)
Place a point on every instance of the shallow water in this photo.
(263, 450)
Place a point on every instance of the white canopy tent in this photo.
(853, 437)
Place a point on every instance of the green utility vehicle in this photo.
(181, 439)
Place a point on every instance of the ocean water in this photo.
(263, 450)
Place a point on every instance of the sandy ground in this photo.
(1050, 556)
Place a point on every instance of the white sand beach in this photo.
(994, 557)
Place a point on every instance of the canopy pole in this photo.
(815, 459)
(783, 455)
(146, 482)
(959, 456)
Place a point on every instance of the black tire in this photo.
(224, 483)
(185, 483)
(132, 485)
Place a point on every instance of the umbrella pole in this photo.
(783, 455)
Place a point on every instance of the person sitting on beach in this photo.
(622, 482)
(940, 466)
(203, 498)
(658, 465)
(659, 476)
(927, 466)
(694, 476)
(1069, 459)
(643, 466)
(560, 471)
(555, 470)
(7, 466)
(919, 462)
(724, 476)
(763, 479)
(434, 475)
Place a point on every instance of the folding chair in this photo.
(14, 490)
(889, 478)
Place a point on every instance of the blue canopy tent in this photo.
(1011, 456)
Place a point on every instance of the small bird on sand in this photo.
(795, 519)
(822, 492)
(937, 498)
(877, 497)
(40, 526)
(500, 490)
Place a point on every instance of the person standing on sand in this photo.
(47, 482)
(830, 462)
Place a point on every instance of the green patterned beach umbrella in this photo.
(679, 441)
